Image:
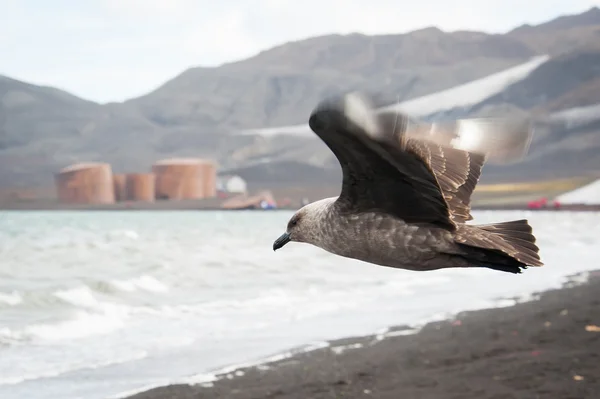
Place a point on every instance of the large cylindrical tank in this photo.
(140, 187)
(119, 187)
(209, 179)
(86, 183)
(179, 178)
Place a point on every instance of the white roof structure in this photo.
(585, 195)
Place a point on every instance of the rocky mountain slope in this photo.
(197, 113)
(281, 85)
(565, 144)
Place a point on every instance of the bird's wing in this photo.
(456, 150)
(501, 139)
(390, 165)
(457, 173)
(378, 173)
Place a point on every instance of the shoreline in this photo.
(487, 353)
(199, 206)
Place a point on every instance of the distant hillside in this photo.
(561, 34)
(282, 85)
(197, 113)
(566, 143)
(560, 148)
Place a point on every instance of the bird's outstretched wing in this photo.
(398, 166)
(457, 173)
(502, 139)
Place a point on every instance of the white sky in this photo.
(111, 50)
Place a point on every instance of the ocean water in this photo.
(99, 304)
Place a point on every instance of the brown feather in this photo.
(457, 173)
(512, 238)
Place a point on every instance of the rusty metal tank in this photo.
(209, 179)
(86, 183)
(179, 178)
(140, 187)
(119, 187)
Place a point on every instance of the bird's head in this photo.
(304, 225)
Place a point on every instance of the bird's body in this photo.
(404, 200)
(384, 241)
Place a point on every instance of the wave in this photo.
(13, 298)
(89, 309)
(76, 366)
(90, 316)
(82, 325)
(144, 282)
(92, 309)
(82, 296)
(10, 337)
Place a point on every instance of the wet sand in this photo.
(546, 348)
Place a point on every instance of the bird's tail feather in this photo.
(506, 246)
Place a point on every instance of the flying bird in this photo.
(406, 190)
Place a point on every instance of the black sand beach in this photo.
(547, 348)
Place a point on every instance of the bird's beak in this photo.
(281, 241)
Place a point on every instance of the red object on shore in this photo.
(542, 203)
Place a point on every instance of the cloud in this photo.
(222, 38)
(109, 50)
(143, 8)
